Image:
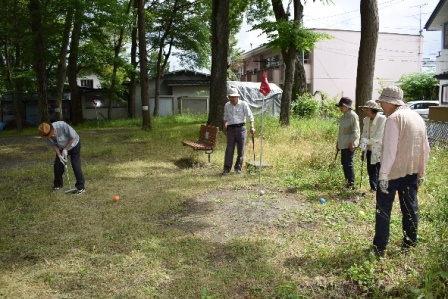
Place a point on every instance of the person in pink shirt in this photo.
(404, 157)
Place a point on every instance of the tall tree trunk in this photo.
(162, 60)
(72, 69)
(367, 52)
(62, 65)
(289, 58)
(39, 58)
(220, 50)
(12, 86)
(143, 66)
(117, 50)
(132, 84)
(299, 86)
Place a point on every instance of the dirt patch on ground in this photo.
(223, 215)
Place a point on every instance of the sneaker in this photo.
(379, 254)
(238, 171)
(373, 251)
(80, 191)
(225, 173)
(406, 248)
(55, 189)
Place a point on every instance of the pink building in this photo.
(331, 67)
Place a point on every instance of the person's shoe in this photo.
(80, 191)
(406, 248)
(349, 188)
(225, 172)
(56, 189)
(378, 254)
(238, 171)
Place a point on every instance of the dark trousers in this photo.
(407, 194)
(347, 165)
(373, 170)
(235, 136)
(75, 159)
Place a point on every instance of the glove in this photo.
(384, 184)
(362, 155)
(420, 181)
(63, 161)
(65, 154)
(363, 144)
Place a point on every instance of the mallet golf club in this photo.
(68, 179)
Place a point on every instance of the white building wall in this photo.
(334, 62)
(442, 62)
(441, 68)
(96, 81)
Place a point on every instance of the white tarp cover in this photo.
(250, 93)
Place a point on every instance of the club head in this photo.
(71, 191)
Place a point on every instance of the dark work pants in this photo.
(235, 136)
(75, 159)
(347, 165)
(407, 195)
(373, 170)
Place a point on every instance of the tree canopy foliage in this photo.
(100, 32)
(419, 86)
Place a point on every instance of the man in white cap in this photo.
(371, 140)
(404, 159)
(236, 112)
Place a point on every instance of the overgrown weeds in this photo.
(180, 230)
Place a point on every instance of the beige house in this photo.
(438, 21)
(331, 67)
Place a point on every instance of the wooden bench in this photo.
(208, 137)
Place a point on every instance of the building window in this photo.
(272, 62)
(445, 93)
(445, 36)
(306, 57)
(87, 83)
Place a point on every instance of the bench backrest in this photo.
(208, 135)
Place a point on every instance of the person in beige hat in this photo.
(65, 142)
(348, 139)
(404, 158)
(372, 140)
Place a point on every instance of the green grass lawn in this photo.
(180, 230)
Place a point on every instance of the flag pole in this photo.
(261, 148)
(264, 90)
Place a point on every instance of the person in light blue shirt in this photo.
(236, 112)
(65, 142)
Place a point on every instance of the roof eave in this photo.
(429, 24)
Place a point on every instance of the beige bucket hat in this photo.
(372, 105)
(392, 95)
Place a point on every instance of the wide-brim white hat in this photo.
(392, 95)
(233, 93)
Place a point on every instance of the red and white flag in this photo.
(264, 87)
